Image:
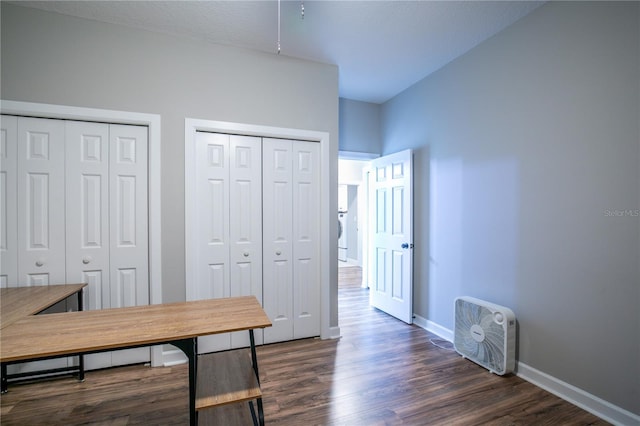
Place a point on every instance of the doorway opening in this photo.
(352, 217)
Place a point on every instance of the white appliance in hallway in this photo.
(342, 236)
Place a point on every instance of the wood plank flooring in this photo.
(380, 372)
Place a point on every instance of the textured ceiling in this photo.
(380, 47)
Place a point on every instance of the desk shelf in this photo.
(225, 377)
(226, 385)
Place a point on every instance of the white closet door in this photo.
(212, 251)
(228, 253)
(41, 220)
(306, 239)
(245, 224)
(40, 213)
(8, 201)
(291, 206)
(277, 236)
(87, 210)
(128, 205)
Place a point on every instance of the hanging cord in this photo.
(302, 9)
(278, 27)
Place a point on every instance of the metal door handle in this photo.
(278, 253)
(245, 254)
(87, 259)
(40, 262)
(405, 245)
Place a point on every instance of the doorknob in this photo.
(245, 254)
(278, 253)
(40, 262)
(87, 259)
(407, 245)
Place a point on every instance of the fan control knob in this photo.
(498, 317)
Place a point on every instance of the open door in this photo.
(391, 235)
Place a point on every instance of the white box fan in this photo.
(485, 333)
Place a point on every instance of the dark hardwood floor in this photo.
(380, 372)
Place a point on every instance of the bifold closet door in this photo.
(75, 210)
(107, 210)
(228, 248)
(33, 222)
(40, 202)
(8, 197)
(291, 197)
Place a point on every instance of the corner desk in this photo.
(34, 337)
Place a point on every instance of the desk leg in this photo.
(190, 349)
(254, 361)
(4, 378)
(80, 357)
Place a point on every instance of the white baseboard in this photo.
(591, 403)
(434, 328)
(334, 332)
(172, 356)
(588, 402)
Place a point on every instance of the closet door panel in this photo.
(277, 237)
(128, 228)
(245, 223)
(213, 217)
(40, 195)
(87, 210)
(306, 238)
(8, 201)
(40, 213)
(128, 216)
(212, 252)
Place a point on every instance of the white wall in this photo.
(55, 59)
(359, 126)
(527, 189)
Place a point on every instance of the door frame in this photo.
(152, 122)
(192, 125)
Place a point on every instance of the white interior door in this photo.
(41, 220)
(227, 209)
(391, 235)
(8, 197)
(212, 227)
(291, 193)
(87, 210)
(106, 210)
(75, 199)
(245, 224)
(306, 239)
(128, 226)
(277, 237)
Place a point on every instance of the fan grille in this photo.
(489, 352)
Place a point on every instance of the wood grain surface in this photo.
(380, 372)
(74, 332)
(19, 302)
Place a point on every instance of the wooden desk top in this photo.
(19, 302)
(68, 333)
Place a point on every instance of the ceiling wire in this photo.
(301, 15)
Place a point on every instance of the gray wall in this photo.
(50, 58)
(360, 126)
(527, 189)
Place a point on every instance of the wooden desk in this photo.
(179, 324)
(19, 302)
